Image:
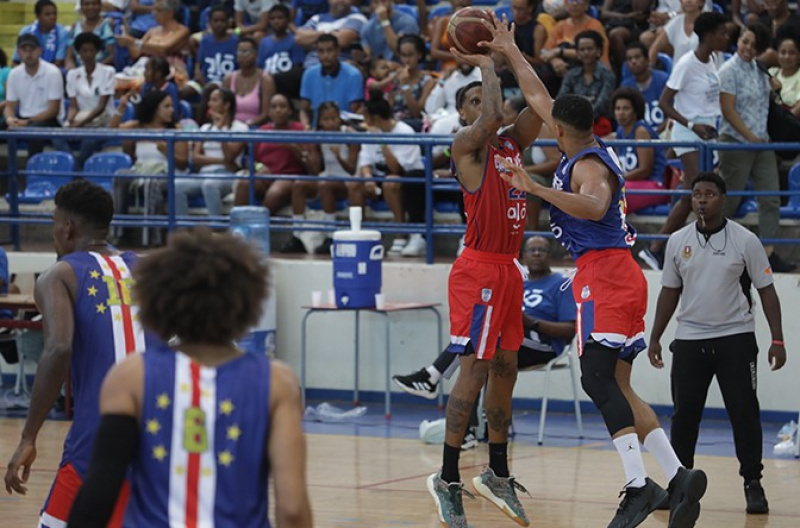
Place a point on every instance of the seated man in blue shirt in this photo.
(379, 36)
(649, 82)
(330, 80)
(548, 315)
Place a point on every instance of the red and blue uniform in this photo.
(485, 285)
(202, 456)
(107, 329)
(609, 287)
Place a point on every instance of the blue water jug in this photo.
(252, 223)
(357, 259)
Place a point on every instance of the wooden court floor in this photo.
(359, 481)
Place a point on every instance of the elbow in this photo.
(293, 516)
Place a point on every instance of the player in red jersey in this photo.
(485, 291)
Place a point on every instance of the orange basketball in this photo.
(465, 30)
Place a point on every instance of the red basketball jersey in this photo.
(496, 211)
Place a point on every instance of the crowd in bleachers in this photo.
(681, 69)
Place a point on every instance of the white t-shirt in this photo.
(409, 156)
(88, 95)
(253, 8)
(214, 148)
(34, 93)
(447, 125)
(697, 86)
(681, 42)
(665, 6)
(443, 95)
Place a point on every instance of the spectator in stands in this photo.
(252, 17)
(143, 19)
(644, 166)
(252, 102)
(90, 89)
(217, 158)
(679, 37)
(280, 56)
(592, 80)
(648, 81)
(51, 35)
(787, 73)
(168, 39)
(394, 161)
(307, 9)
(744, 99)
(330, 80)
(624, 21)
(341, 22)
(691, 100)
(216, 56)
(34, 94)
(276, 158)
(665, 11)
(379, 36)
(324, 160)
(5, 69)
(440, 44)
(157, 77)
(560, 50)
(413, 85)
(442, 100)
(381, 78)
(746, 12)
(100, 26)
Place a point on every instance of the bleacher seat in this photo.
(409, 10)
(792, 210)
(204, 14)
(105, 164)
(186, 110)
(42, 183)
(504, 10)
(717, 8)
(440, 11)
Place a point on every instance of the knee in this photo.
(597, 374)
(352, 186)
(392, 188)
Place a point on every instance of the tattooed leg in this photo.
(459, 405)
(503, 376)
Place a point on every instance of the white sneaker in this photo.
(415, 247)
(398, 245)
(461, 245)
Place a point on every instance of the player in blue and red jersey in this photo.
(201, 423)
(89, 325)
(587, 216)
(485, 291)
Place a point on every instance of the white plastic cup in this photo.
(380, 301)
(316, 298)
(331, 297)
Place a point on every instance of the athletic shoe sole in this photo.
(688, 509)
(416, 392)
(483, 490)
(649, 259)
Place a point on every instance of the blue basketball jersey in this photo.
(202, 458)
(579, 236)
(107, 330)
(217, 59)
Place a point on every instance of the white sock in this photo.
(296, 221)
(628, 449)
(433, 374)
(657, 443)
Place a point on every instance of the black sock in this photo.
(450, 464)
(444, 361)
(498, 459)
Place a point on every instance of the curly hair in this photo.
(87, 201)
(201, 288)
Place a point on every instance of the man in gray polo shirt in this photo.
(710, 266)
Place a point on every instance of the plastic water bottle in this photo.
(252, 223)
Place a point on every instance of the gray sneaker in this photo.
(448, 501)
(501, 492)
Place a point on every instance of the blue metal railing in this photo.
(425, 141)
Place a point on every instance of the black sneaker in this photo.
(325, 247)
(293, 245)
(779, 265)
(756, 500)
(654, 259)
(470, 441)
(637, 504)
(685, 490)
(664, 504)
(418, 384)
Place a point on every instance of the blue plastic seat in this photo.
(440, 11)
(504, 10)
(717, 8)
(104, 165)
(186, 110)
(204, 14)
(792, 210)
(41, 172)
(408, 9)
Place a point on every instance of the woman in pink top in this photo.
(276, 158)
(252, 103)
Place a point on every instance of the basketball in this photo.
(465, 30)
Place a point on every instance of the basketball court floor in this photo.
(371, 473)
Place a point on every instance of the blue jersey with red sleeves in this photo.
(202, 456)
(107, 329)
(496, 211)
(579, 236)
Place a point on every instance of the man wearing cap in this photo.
(34, 93)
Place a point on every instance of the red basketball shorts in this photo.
(611, 295)
(485, 296)
(62, 494)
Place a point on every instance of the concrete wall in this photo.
(330, 336)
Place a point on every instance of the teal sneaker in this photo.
(448, 501)
(501, 492)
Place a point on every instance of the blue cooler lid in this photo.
(356, 236)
